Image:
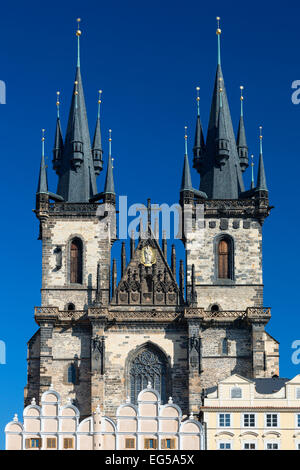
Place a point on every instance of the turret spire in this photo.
(109, 187)
(241, 142)
(43, 180)
(199, 144)
(97, 144)
(222, 142)
(186, 182)
(58, 141)
(261, 176)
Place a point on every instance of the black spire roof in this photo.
(77, 179)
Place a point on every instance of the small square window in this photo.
(249, 446)
(51, 443)
(298, 393)
(68, 443)
(272, 420)
(249, 420)
(236, 392)
(272, 446)
(225, 445)
(129, 443)
(224, 420)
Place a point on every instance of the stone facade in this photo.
(110, 323)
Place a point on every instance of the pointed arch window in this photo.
(225, 259)
(148, 365)
(76, 250)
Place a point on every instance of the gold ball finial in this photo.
(78, 32)
(99, 99)
(260, 132)
(219, 31)
(242, 88)
(252, 157)
(43, 135)
(185, 132)
(57, 100)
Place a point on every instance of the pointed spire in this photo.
(222, 142)
(241, 142)
(97, 144)
(76, 135)
(226, 181)
(261, 176)
(79, 185)
(186, 182)
(173, 261)
(43, 180)
(109, 181)
(58, 141)
(199, 144)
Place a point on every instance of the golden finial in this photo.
(252, 162)
(198, 100)
(241, 88)
(99, 99)
(218, 28)
(78, 32)
(260, 132)
(185, 140)
(43, 135)
(57, 102)
(76, 91)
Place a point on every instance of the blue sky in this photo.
(147, 58)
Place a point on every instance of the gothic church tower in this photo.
(101, 341)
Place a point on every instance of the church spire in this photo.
(109, 187)
(186, 182)
(261, 176)
(58, 141)
(77, 179)
(43, 180)
(97, 144)
(241, 142)
(199, 145)
(221, 181)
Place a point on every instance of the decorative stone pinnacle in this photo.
(170, 401)
(149, 384)
(16, 417)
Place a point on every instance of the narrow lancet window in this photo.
(76, 261)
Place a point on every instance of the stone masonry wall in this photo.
(200, 246)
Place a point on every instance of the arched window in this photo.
(72, 375)
(71, 307)
(148, 365)
(76, 261)
(224, 253)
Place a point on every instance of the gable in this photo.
(148, 279)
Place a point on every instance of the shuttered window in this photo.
(167, 443)
(129, 443)
(76, 261)
(51, 443)
(33, 443)
(150, 444)
(223, 259)
(68, 443)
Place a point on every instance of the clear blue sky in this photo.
(147, 57)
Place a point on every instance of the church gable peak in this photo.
(148, 278)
